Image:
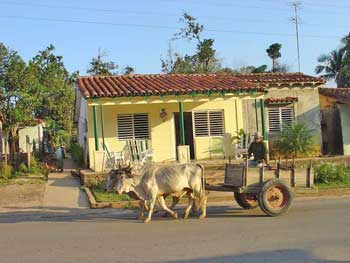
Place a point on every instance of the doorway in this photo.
(188, 131)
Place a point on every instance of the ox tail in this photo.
(202, 198)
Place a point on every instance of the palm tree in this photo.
(331, 64)
(274, 53)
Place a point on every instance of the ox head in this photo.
(124, 184)
(113, 177)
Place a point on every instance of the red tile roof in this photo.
(340, 94)
(280, 79)
(285, 100)
(165, 84)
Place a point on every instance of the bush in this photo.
(332, 173)
(77, 154)
(5, 171)
(22, 168)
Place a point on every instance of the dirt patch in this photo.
(26, 195)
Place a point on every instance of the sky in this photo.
(137, 33)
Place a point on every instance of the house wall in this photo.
(307, 110)
(1, 141)
(163, 132)
(35, 134)
(344, 110)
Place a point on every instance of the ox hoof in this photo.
(185, 216)
(202, 217)
(140, 217)
(175, 215)
(147, 220)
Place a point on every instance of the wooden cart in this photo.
(273, 196)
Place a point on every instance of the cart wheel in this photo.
(247, 200)
(275, 197)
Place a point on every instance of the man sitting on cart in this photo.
(258, 150)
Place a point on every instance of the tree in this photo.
(55, 91)
(330, 64)
(202, 61)
(16, 101)
(344, 73)
(295, 140)
(98, 67)
(128, 70)
(274, 53)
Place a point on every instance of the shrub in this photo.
(77, 154)
(22, 168)
(5, 171)
(332, 173)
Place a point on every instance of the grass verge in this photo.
(98, 190)
(6, 182)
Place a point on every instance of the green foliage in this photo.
(101, 195)
(77, 154)
(5, 171)
(99, 67)
(22, 168)
(274, 52)
(202, 61)
(327, 173)
(294, 140)
(336, 64)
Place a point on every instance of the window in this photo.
(133, 126)
(280, 118)
(208, 123)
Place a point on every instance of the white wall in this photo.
(345, 125)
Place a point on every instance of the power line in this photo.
(123, 11)
(147, 26)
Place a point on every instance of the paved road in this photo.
(315, 230)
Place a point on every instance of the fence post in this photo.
(308, 174)
(292, 177)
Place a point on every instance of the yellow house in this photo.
(167, 110)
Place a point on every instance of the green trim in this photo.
(256, 115)
(94, 112)
(182, 123)
(263, 127)
(102, 128)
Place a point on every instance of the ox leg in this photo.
(203, 206)
(151, 208)
(163, 206)
(173, 204)
(142, 209)
(189, 206)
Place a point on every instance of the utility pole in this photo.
(295, 19)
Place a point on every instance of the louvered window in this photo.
(280, 118)
(209, 123)
(133, 126)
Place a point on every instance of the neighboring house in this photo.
(335, 111)
(35, 134)
(114, 109)
(1, 137)
(290, 97)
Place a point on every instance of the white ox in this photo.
(153, 182)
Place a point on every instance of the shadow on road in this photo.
(64, 214)
(275, 256)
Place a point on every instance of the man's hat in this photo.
(257, 135)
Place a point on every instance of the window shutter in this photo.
(274, 120)
(216, 121)
(133, 126)
(209, 123)
(141, 128)
(201, 126)
(287, 116)
(125, 127)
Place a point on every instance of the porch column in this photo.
(263, 127)
(256, 115)
(182, 123)
(94, 114)
(102, 128)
